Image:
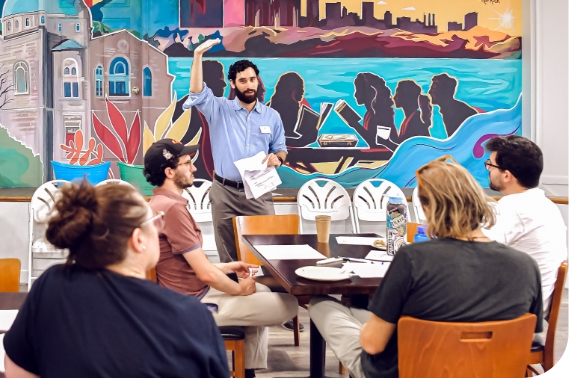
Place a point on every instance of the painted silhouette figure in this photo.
(372, 92)
(417, 108)
(453, 111)
(287, 100)
(260, 91)
(214, 78)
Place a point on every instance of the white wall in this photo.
(549, 79)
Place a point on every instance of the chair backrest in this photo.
(370, 201)
(10, 275)
(260, 225)
(151, 274)
(43, 200)
(199, 203)
(430, 349)
(549, 347)
(419, 213)
(113, 182)
(328, 199)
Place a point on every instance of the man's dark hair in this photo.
(157, 177)
(240, 66)
(520, 156)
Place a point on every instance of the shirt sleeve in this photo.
(183, 237)
(18, 342)
(509, 226)
(390, 297)
(206, 102)
(278, 142)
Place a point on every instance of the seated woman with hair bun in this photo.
(97, 315)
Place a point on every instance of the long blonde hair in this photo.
(457, 203)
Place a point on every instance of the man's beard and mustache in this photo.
(494, 186)
(183, 182)
(248, 97)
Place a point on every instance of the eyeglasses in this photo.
(188, 163)
(158, 221)
(489, 164)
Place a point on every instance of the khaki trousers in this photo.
(340, 326)
(255, 312)
(226, 203)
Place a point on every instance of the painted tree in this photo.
(6, 87)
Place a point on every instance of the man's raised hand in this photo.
(206, 46)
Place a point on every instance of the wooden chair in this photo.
(266, 225)
(10, 275)
(430, 349)
(543, 354)
(233, 337)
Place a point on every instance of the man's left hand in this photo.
(272, 161)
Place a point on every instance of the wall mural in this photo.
(365, 89)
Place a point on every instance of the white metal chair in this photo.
(113, 181)
(370, 201)
(41, 206)
(327, 199)
(419, 213)
(199, 206)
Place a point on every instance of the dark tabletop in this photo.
(12, 301)
(284, 270)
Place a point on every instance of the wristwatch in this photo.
(281, 160)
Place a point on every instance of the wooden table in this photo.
(12, 301)
(284, 272)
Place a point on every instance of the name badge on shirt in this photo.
(265, 130)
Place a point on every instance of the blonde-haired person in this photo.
(97, 315)
(458, 275)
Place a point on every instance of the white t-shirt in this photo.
(531, 223)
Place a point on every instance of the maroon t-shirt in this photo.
(180, 235)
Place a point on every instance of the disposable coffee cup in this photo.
(323, 228)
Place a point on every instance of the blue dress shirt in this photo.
(235, 133)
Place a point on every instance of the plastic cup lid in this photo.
(396, 200)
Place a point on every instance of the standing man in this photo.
(240, 128)
(525, 218)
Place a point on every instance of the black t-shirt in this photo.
(76, 323)
(456, 281)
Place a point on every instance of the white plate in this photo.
(323, 273)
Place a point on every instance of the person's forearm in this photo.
(220, 281)
(196, 75)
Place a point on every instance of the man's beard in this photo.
(182, 182)
(246, 98)
(496, 187)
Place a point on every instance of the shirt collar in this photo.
(237, 105)
(170, 194)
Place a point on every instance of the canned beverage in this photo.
(396, 224)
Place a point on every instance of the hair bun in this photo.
(75, 212)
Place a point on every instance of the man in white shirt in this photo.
(525, 218)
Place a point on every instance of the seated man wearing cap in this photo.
(184, 267)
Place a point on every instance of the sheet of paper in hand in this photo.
(258, 179)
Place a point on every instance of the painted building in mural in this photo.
(60, 75)
(365, 89)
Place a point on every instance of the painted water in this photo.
(494, 86)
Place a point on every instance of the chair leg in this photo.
(239, 359)
(296, 326)
(341, 368)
